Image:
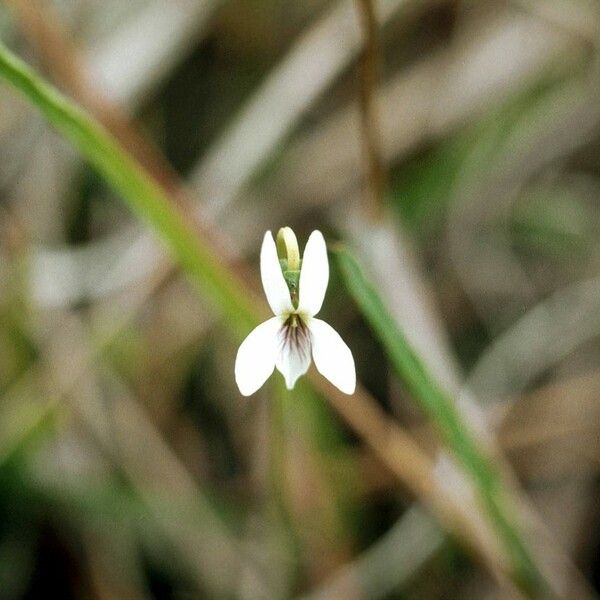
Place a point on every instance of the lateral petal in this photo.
(255, 358)
(276, 289)
(332, 356)
(314, 275)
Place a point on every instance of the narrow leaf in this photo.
(455, 431)
(143, 195)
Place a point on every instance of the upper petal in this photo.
(293, 358)
(332, 357)
(276, 289)
(255, 358)
(314, 275)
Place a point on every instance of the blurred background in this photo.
(458, 155)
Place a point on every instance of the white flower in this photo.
(287, 340)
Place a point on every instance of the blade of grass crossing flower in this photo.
(143, 195)
(455, 431)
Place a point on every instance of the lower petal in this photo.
(293, 358)
(332, 357)
(255, 359)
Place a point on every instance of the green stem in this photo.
(277, 447)
(452, 426)
(143, 195)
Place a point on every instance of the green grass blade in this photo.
(441, 409)
(143, 195)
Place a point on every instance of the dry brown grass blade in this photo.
(63, 60)
(399, 453)
(424, 101)
(375, 172)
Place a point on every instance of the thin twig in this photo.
(375, 173)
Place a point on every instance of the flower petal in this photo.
(332, 357)
(255, 358)
(314, 275)
(276, 289)
(293, 357)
